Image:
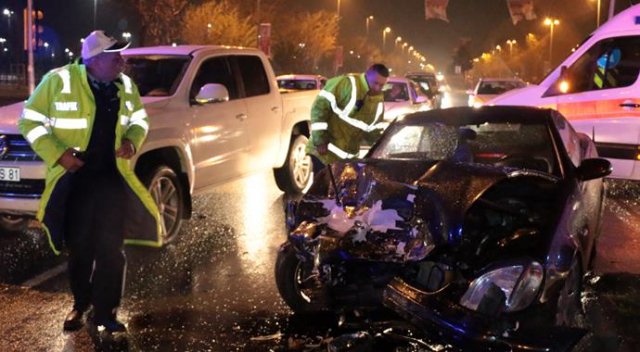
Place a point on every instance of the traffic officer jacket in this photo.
(343, 116)
(60, 115)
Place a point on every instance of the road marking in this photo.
(55, 271)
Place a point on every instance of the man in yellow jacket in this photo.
(86, 121)
(346, 114)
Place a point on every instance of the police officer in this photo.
(346, 114)
(86, 120)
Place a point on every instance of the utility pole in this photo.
(612, 8)
(30, 68)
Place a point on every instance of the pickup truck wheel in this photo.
(296, 173)
(164, 186)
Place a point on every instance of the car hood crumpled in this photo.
(441, 191)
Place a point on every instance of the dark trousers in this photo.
(94, 236)
(317, 164)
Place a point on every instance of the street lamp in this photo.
(398, 39)
(384, 36)
(370, 18)
(95, 12)
(511, 42)
(598, 13)
(404, 45)
(126, 35)
(8, 13)
(338, 10)
(551, 22)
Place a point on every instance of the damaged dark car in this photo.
(479, 223)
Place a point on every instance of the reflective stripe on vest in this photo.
(124, 120)
(66, 81)
(36, 133)
(339, 152)
(319, 126)
(127, 84)
(379, 112)
(344, 114)
(69, 124)
(129, 105)
(138, 118)
(33, 115)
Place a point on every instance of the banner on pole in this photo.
(436, 9)
(521, 10)
(264, 38)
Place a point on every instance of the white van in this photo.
(598, 90)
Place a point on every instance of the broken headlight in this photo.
(506, 289)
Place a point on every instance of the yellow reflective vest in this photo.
(60, 115)
(344, 116)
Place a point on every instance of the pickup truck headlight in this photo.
(518, 286)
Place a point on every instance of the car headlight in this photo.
(508, 289)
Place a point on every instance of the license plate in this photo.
(10, 174)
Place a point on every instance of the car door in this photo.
(264, 112)
(218, 129)
(603, 99)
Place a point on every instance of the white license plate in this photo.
(10, 174)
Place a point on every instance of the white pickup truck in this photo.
(597, 89)
(215, 114)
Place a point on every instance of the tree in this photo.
(158, 19)
(218, 22)
(302, 40)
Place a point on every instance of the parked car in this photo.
(215, 114)
(294, 82)
(480, 221)
(403, 96)
(430, 85)
(597, 88)
(489, 88)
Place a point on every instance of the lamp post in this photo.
(511, 42)
(369, 18)
(404, 45)
(398, 40)
(384, 36)
(8, 13)
(338, 10)
(126, 36)
(95, 12)
(551, 22)
(597, 13)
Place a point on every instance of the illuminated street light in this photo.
(370, 18)
(126, 35)
(404, 45)
(551, 22)
(384, 36)
(398, 40)
(511, 42)
(8, 13)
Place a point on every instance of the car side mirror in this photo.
(212, 93)
(562, 85)
(593, 168)
(421, 99)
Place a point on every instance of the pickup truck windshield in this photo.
(156, 75)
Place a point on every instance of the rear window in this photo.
(254, 76)
(156, 75)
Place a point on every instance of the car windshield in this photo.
(498, 87)
(298, 84)
(485, 143)
(156, 75)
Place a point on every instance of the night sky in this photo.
(485, 22)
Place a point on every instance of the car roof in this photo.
(299, 76)
(184, 50)
(469, 115)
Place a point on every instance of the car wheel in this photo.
(295, 284)
(569, 307)
(164, 186)
(10, 224)
(296, 174)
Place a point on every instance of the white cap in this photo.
(98, 42)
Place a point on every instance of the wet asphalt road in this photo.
(213, 290)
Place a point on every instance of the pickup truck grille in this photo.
(16, 148)
(22, 189)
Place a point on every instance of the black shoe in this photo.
(109, 325)
(73, 321)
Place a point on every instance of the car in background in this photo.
(429, 84)
(403, 96)
(480, 221)
(489, 88)
(300, 82)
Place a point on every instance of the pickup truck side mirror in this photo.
(562, 85)
(593, 168)
(212, 93)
